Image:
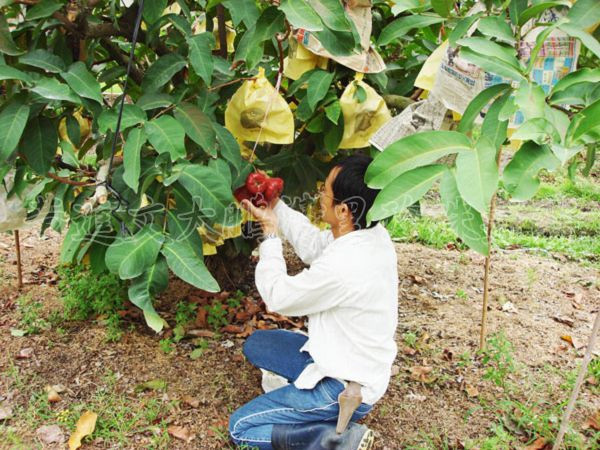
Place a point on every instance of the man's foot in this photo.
(367, 440)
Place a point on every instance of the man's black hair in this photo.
(349, 187)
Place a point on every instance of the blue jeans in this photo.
(279, 351)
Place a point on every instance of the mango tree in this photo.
(559, 121)
(150, 190)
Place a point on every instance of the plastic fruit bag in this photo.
(361, 119)
(300, 60)
(245, 113)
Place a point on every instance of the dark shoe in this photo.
(320, 436)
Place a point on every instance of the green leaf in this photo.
(12, 123)
(492, 49)
(442, 7)
(132, 115)
(210, 192)
(531, 100)
(131, 157)
(360, 94)
(493, 65)
(413, 151)
(462, 27)
(332, 14)
(538, 130)
(268, 24)
(493, 128)
(229, 148)
(404, 191)
(318, 85)
(537, 9)
(580, 76)
(464, 220)
(53, 89)
(10, 73)
(39, 144)
(183, 226)
(520, 175)
(478, 103)
(585, 125)
(7, 45)
(153, 10)
(148, 102)
(584, 13)
(83, 82)
(333, 110)
(161, 71)
(539, 43)
(141, 291)
(477, 175)
(586, 38)
(188, 266)
(78, 230)
(249, 50)
(197, 126)
(301, 15)
(584, 94)
(339, 43)
(243, 11)
(43, 59)
(167, 135)
(497, 28)
(403, 25)
(515, 9)
(43, 9)
(130, 256)
(201, 46)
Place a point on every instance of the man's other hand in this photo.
(265, 216)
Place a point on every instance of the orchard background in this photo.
(138, 291)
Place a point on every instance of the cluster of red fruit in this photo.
(260, 189)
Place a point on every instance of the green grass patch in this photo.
(436, 233)
(87, 295)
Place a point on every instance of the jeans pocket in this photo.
(331, 388)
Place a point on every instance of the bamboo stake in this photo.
(19, 267)
(582, 373)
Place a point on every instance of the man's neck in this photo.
(341, 229)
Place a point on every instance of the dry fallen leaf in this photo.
(201, 315)
(509, 307)
(567, 338)
(408, 350)
(191, 401)
(471, 390)
(565, 320)
(50, 434)
(538, 444)
(234, 329)
(53, 396)
(180, 433)
(6, 412)
(25, 353)
(422, 374)
(85, 426)
(395, 370)
(593, 422)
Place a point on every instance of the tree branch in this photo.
(119, 57)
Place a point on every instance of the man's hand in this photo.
(265, 216)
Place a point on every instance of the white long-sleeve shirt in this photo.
(349, 293)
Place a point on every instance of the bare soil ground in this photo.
(438, 399)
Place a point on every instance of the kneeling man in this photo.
(350, 294)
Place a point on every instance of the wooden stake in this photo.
(582, 373)
(19, 267)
